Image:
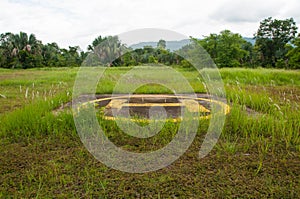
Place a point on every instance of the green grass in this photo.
(257, 155)
(21, 87)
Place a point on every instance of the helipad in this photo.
(138, 106)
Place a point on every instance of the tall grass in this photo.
(257, 115)
(37, 119)
(269, 122)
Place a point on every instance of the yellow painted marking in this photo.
(225, 110)
(194, 106)
(145, 120)
(191, 105)
(117, 104)
(151, 104)
(203, 109)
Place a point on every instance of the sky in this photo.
(78, 22)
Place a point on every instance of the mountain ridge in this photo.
(175, 45)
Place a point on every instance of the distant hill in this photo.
(175, 45)
(249, 39)
(171, 45)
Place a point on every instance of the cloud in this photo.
(247, 11)
(70, 22)
(291, 9)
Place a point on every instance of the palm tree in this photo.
(96, 42)
(109, 50)
(21, 41)
(21, 46)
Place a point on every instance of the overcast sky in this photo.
(78, 22)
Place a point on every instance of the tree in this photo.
(227, 49)
(25, 51)
(294, 54)
(2, 58)
(28, 60)
(161, 44)
(50, 53)
(96, 42)
(164, 56)
(73, 56)
(6, 48)
(248, 59)
(29, 43)
(128, 59)
(21, 50)
(272, 37)
(109, 50)
(210, 44)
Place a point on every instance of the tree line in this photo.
(26, 51)
(276, 45)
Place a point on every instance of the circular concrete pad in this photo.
(139, 105)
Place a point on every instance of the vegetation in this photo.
(271, 40)
(293, 54)
(256, 156)
(227, 49)
(23, 51)
(276, 46)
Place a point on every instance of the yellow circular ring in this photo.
(225, 107)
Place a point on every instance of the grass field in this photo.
(257, 155)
